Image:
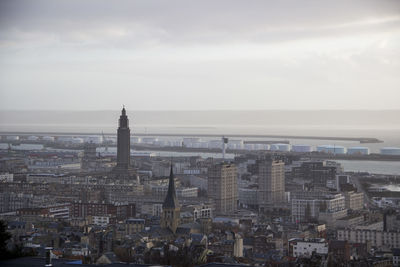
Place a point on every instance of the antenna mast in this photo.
(224, 142)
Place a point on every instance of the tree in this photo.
(4, 237)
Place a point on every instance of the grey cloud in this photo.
(174, 22)
(235, 50)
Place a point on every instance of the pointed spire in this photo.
(170, 200)
(123, 110)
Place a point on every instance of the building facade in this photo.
(326, 207)
(306, 247)
(89, 157)
(380, 239)
(133, 226)
(354, 200)
(82, 210)
(271, 182)
(223, 188)
(318, 172)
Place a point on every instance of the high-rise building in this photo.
(271, 183)
(171, 209)
(89, 157)
(123, 168)
(318, 172)
(223, 187)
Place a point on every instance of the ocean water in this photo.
(378, 167)
(384, 125)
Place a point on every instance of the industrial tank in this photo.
(390, 151)
(301, 148)
(280, 147)
(331, 149)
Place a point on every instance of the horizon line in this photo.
(185, 110)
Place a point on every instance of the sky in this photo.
(199, 55)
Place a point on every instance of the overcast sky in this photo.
(179, 55)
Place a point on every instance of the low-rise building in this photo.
(82, 210)
(202, 211)
(391, 220)
(354, 200)
(160, 191)
(10, 201)
(378, 238)
(6, 177)
(99, 220)
(133, 226)
(396, 257)
(350, 220)
(325, 207)
(306, 247)
(340, 250)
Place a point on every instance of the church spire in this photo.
(171, 201)
(171, 210)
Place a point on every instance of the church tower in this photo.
(123, 146)
(171, 209)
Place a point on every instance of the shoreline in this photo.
(362, 140)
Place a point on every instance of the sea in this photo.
(381, 124)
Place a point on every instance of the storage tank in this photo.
(189, 140)
(64, 139)
(195, 144)
(77, 140)
(177, 143)
(302, 148)
(274, 147)
(280, 147)
(284, 147)
(259, 147)
(32, 138)
(12, 138)
(358, 150)
(235, 144)
(390, 151)
(149, 140)
(136, 140)
(331, 149)
(48, 138)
